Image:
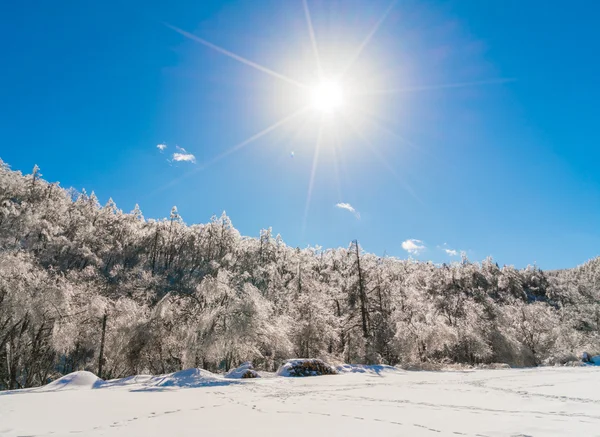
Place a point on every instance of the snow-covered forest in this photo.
(86, 286)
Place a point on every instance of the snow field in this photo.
(368, 401)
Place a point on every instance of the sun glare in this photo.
(337, 97)
(327, 97)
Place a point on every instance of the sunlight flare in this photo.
(327, 97)
(311, 182)
(255, 137)
(368, 38)
(340, 92)
(383, 160)
(441, 86)
(235, 56)
(313, 39)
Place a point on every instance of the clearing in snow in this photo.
(361, 400)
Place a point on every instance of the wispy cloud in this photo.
(182, 155)
(348, 207)
(413, 246)
(449, 251)
(185, 157)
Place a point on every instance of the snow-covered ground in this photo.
(380, 402)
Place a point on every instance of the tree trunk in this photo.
(101, 357)
(362, 295)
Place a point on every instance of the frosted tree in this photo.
(175, 295)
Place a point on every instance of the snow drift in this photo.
(189, 378)
(376, 369)
(74, 381)
(135, 380)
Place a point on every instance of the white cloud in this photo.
(449, 252)
(186, 157)
(180, 156)
(413, 246)
(348, 207)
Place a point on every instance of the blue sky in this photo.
(506, 166)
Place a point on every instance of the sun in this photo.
(339, 95)
(327, 97)
(345, 96)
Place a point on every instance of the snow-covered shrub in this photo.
(244, 371)
(306, 367)
(560, 359)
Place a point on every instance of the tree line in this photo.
(86, 286)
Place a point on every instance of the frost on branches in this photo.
(90, 287)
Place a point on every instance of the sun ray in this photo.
(383, 160)
(336, 170)
(256, 136)
(379, 123)
(231, 150)
(440, 86)
(312, 177)
(368, 38)
(236, 57)
(313, 38)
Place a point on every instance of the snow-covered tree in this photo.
(165, 295)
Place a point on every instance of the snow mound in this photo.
(305, 367)
(128, 381)
(186, 378)
(183, 379)
(376, 369)
(74, 381)
(244, 371)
